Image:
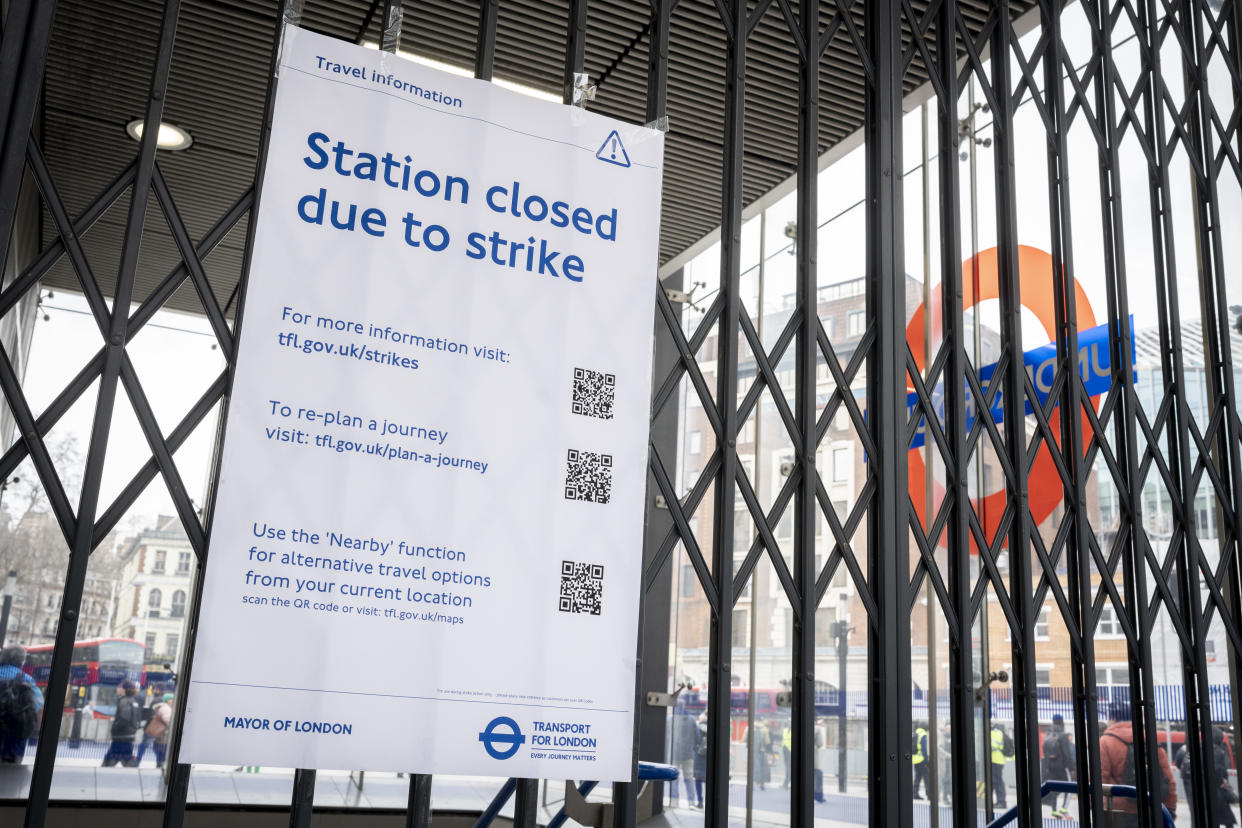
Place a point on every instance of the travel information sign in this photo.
(427, 544)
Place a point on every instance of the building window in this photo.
(830, 326)
(784, 529)
(838, 581)
(841, 420)
(183, 563)
(743, 530)
(689, 581)
(748, 465)
(855, 321)
(171, 642)
(1041, 627)
(748, 587)
(1112, 683)
(741, 629)
(150, 642)
(842, 461)
(1110, 626)
(160, 559)
(153, 603)
(178, 604)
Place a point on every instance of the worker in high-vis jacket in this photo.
(1002, 752)
(921, 758)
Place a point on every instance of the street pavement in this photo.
(78, 776)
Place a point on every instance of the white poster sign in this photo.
(427, 547)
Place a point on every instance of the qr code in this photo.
(593, 393)
(582, 587)
(588, 476)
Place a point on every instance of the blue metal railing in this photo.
(646, 771)
(498, 802)
(559, 820)
(1059, 786)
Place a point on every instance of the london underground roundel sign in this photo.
(1038, 295)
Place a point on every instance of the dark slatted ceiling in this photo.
(101, 53)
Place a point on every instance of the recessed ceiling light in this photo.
(170, 137)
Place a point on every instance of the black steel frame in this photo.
(1168, 113)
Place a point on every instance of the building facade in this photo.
(157, 570)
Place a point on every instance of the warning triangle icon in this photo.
(613, 151)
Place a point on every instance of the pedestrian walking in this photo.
(157, 728)
(762, 747)
(1059, 759)
(685, 741)
(820, 741)
(946, 763)
(145, 739)
(919, 758)
(1117, 762)
(125, 725)
(1226, 797)
(1002, 752)
(1182, 760)
(700, 761)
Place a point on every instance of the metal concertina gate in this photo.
(886, 41)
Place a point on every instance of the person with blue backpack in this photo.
(21, 705)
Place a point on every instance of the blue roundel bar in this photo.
(501, 738)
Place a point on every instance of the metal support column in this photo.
(23, 54)
(1218, 464)
(720, 647)
(178, 778)
(418, 809)
(1132, 535)
(651, 661)
(575, 47)
(485, 43)
(1026, 723)
(802, 791)
(83, 539)
(888, 568)
(302, 806)
(1077, 544)
(526, 803)
(961, 665)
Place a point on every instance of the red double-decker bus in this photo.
(99, 666)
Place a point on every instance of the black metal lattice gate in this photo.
(756, 92)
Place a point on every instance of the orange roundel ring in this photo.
(1038, 295)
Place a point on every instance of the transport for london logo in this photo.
(501, 738)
